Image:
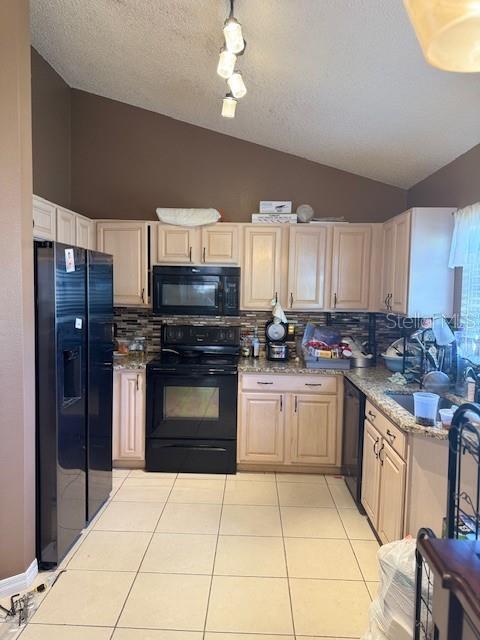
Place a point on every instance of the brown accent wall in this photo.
(17, 375)
(457, 184)
(51, 128)
(127, 161)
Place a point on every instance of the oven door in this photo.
(187, 294)
(191, 406)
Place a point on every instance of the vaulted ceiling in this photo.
(340, 82)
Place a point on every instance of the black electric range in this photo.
(191, 423)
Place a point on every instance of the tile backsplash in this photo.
(138, 321)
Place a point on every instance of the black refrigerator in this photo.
(74, 370)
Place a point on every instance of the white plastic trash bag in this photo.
(391, 615)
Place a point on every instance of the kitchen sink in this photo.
(405, 400)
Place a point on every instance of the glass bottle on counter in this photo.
(255, 344)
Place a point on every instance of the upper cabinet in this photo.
(309, 259)
(85, 232)
(351, 258)
(220, 244)
(65, 226)
(44, 219)
(388, 244)
(214, 244)
(263, 272)
(51, 222)
(176, 245)
(127, 242)
(416, 278)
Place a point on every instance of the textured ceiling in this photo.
(341, 82)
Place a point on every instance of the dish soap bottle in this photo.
(255, 344)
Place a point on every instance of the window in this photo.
(470, 307)
(465, 253)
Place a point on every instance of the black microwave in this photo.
(196, 291)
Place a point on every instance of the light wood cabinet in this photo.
(66, 226)
(129, 415)
(84, 232)
(290, 424)
(370, 471)
(177, 245)
(262, 427)
(127, 242)
(51, 222)
(262, 267)
(44, 219)
(312, 427)
(220, 244)
(351, 256)
(416, 278)
(213, 244)
(309, 259)
(384, 474)
(388, 245)
(400, 267)
(391, 501)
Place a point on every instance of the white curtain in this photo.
(466, 236)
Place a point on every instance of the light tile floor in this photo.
(256, 556)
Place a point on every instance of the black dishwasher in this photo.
(352, 454)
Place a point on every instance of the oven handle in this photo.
(204, 374)
(197, 447)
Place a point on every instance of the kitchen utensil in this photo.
(360, 362)
(395, 363)
(436, 382)
(426, 408)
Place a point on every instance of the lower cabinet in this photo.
(262, 427)
(392, 495)
(128, 415)
(312, 429)
(284, 427)
(383, 482)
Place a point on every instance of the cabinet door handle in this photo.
(143, 295)
(391, 435)
(291, 299)
(313, 384)
(334, 300)
(264, 382)
(281, 403)
(389, 301)
(379, 456)
(296, 404)
(190, 253)
(375, 447)
(276, 297)
(137, 382)
(204, 252)
(372, 415)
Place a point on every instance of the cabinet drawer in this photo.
(395, 437)
(289, 383)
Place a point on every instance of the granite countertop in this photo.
(374, 382)
(262, 365)
(132, 363)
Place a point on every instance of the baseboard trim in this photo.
(21, 582)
